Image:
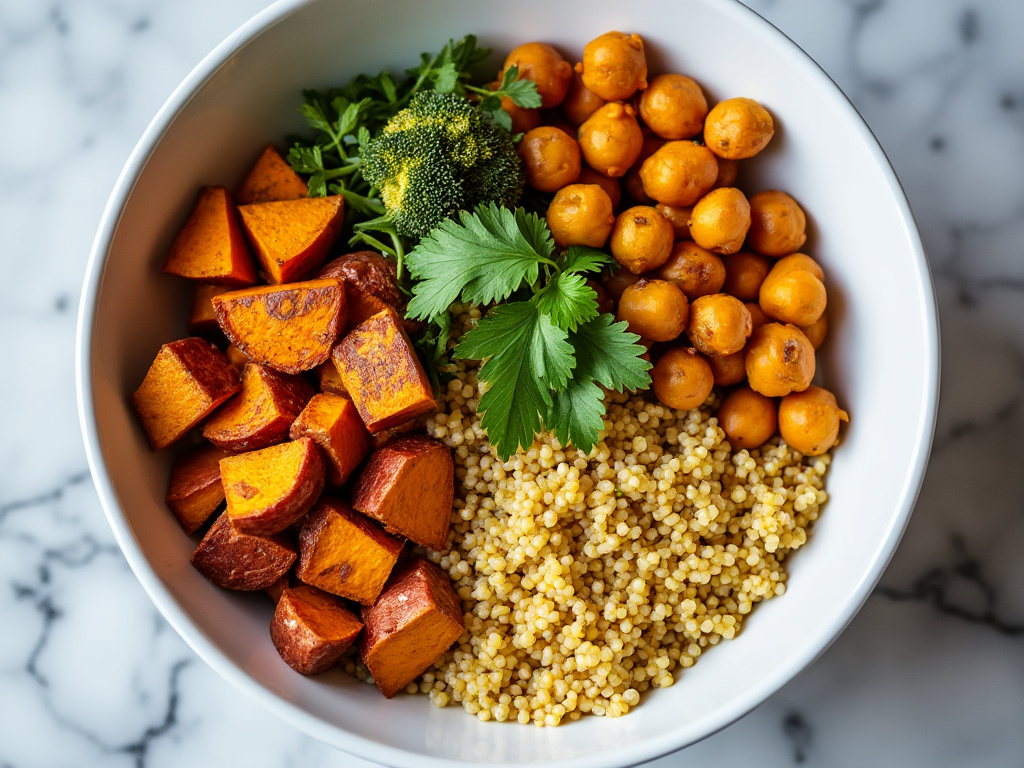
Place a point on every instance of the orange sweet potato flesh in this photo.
(196, 490)
(343, 553)
(236, 357)
(311, 629)
(408, 485)
(235, 560)
(269, 489)
(328, 379)
(202, 321)
(382, 373)
(332, 421)
(292, 237)
(415, 620)
(290, 328)
(271, 179)
(211, 246)
(261, 413)
(371, 283)
(187, 380)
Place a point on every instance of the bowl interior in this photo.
(881, 357)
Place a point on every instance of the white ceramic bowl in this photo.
(881, 359)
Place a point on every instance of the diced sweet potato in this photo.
(269, 489)
(415, 620)
(371, 283)
(236, 560)
(211, 246)
(270, 179)
(311, 629)
(236, 357)
(382, 374)
(261, 414)
(345, 554)
(187, 380)
(380, 439)
(202, 321)
(361, 307)
(331, 420)
(290, 328)
(408, 485)
(196, 490)
(328, 379)
(292, 237)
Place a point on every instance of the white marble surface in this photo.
(930, 673)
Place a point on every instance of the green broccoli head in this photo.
(438, 156)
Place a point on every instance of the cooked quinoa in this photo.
(588, 579)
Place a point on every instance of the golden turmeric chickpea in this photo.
(719, 324)
(580, 214)
(809, 420)
(618, 281)
(798, 261)
(777, 223)
(614, 66)
(748, 419)
(738, 128)
(631, 181)
(580, 102)
(611, 186)
(780, 360)
(545, 66)
(728, 170)
(728, 369)
(679, 173)
(795, 296)
(757, 315)
(720, 220)
(655, 309)
(673, 106)
(682, 378)
(697, 271)
(641, 239)
(744, 273)
(678, 217)
(611, 139)
(551, 158)
(817, 331)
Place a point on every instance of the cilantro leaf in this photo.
(582, 259)
(567, 300)
(576, 416)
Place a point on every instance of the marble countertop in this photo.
(930, 673)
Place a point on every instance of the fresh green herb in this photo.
(522, 92)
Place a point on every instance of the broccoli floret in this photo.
(438, 156)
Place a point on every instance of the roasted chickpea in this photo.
(780, 360)
(809, 420)
(611, 139)
(738, 128)
(720, 220)
(545, 66)
(605, 303)
(697, 271)
(729, 369)
(641, 239)
(816, 331)
(614, 66)
(678, 217)
(744, 273)
(719, 324)
(655, 309)
(748, 419)
(728, 170)
(631, 181)
(795, 296)
(798, 261)
(757, 315)
(777, 224)
(682, 378)
(673, 106)
(611, 186)
(679, 173)
(618, 281)
(580, 102)
(551, 158)
(580, 214)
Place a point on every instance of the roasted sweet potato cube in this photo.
(371, 283)
(271, 179)
(290, 328)
(408, 485)
(328, 378)
(236, 357)
(382, 374)
(343, 553)
(196, 490)
(187, 380)
(269, 489)
(331, 420)
(236, 560)
(202, 321)
(292, 237)
(415, 620)
(261, 413)
(211, 246)
(311, 629)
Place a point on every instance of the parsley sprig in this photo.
(547, 349)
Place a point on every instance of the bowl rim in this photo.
(353, 742)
